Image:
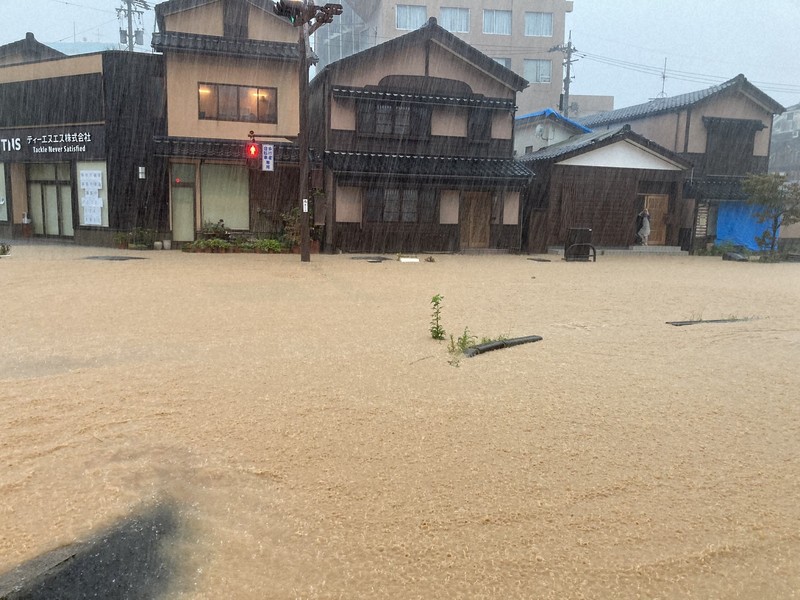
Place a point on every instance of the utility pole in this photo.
(131, 37)
(301, 13)
(567, 50)
(305, 169)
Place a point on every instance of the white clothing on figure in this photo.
(644, 231)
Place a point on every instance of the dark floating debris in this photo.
(734, 256)
(498, 344)
(372, 259)
(701, 321)
(116, 258)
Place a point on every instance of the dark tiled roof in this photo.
(676, 103)
(227, 149)
(29, 49)
(442, 169)
(212, 44)
(432, 31)
(573, 144)
(579, 144)
(480, 101)
(715, 188)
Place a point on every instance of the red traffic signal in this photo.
(297, 11)
(252, 151)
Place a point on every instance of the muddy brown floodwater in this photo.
(315, 442)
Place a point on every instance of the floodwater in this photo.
(313, 441)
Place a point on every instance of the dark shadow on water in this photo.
(129, 560)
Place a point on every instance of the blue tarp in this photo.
(737, 224)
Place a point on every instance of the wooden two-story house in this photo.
(724, 132)
(231, 68)
(417, 135)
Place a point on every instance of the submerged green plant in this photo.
(437, 331)
(458, 346)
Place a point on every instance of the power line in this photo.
(90, 29)
(103, 10)
(683, 75)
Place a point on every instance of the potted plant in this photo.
(141, 238)
(121, 240)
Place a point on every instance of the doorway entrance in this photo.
(50, 200)
(475, 217)
(658, 206)
(183, 202)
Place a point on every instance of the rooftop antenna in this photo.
(663, 94)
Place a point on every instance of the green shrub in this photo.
(437, 331)
(270, 245)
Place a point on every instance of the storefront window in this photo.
(42, 172)
(50, 199)
(182, 173)
(92, 194)
(225, 195)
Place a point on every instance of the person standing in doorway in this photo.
(644, 229)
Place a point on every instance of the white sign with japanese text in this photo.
(267, 157)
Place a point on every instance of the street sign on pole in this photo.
(267, 157)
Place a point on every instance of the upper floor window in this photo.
(497, 21)
(392, 119)
(479, 126)
(538, 70)
(455, 20)
(506, 62)
(539, 24)
(730, 145)
(220, 102)
(410, 16)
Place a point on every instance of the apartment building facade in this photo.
(519, 35)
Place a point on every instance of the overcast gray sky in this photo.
(622, 44)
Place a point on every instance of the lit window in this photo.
(411, 17)
(237, 103)
(497, 22)
(454, 20)
(539, 24)
(538, 71)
